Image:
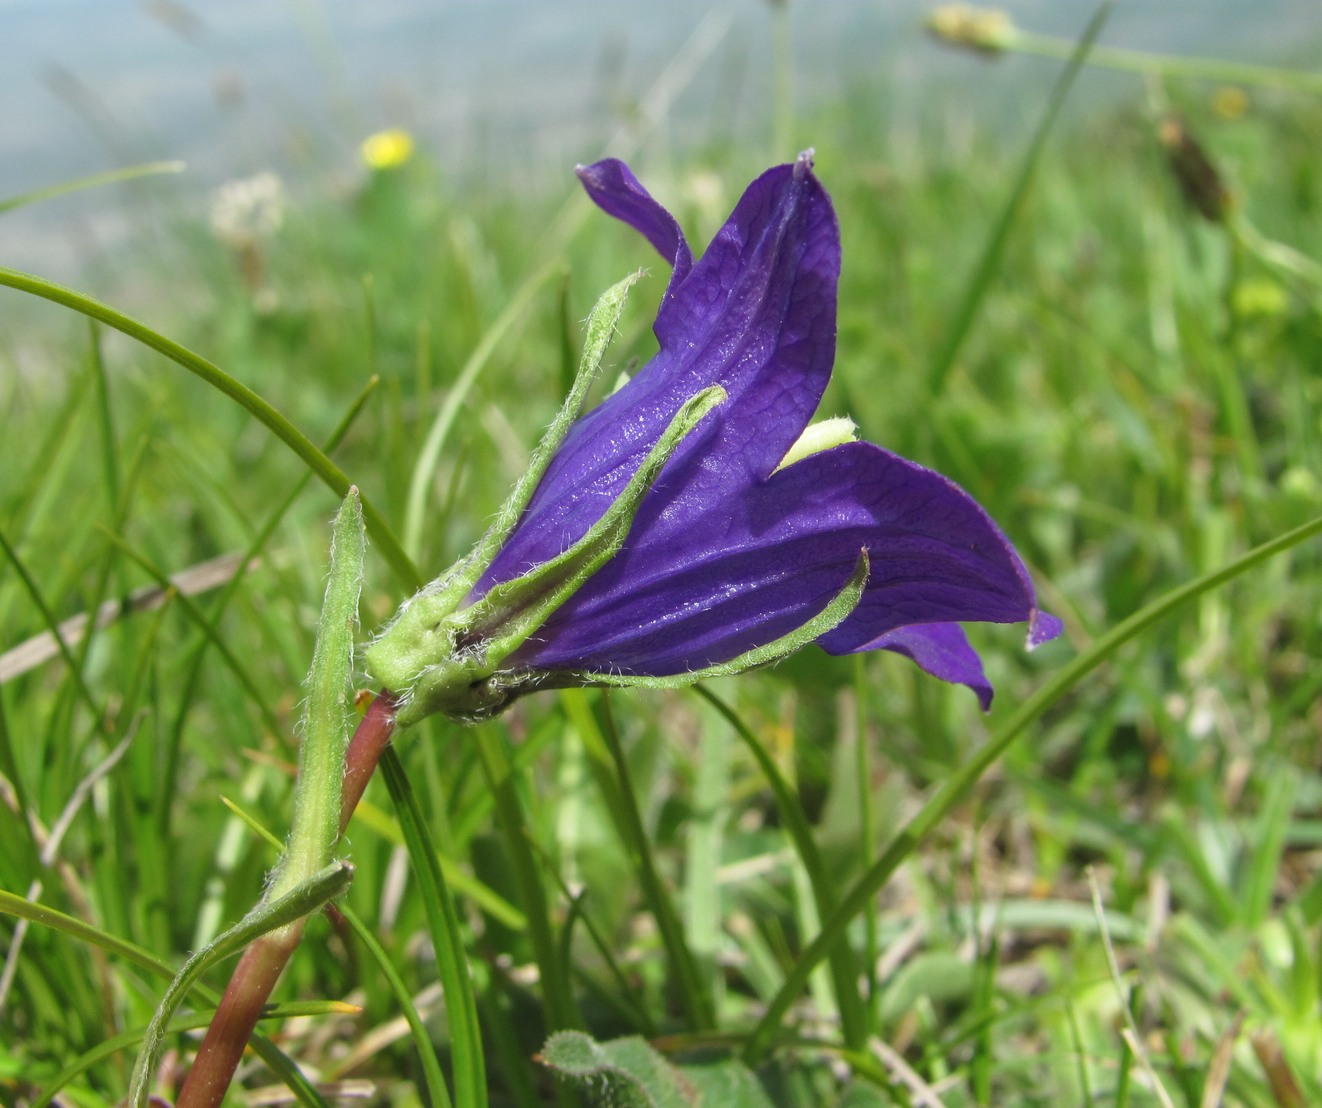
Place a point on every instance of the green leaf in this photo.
(470, 1080)
(862, 1095)
(315, 829)
(727, 1083)
(128, 173)
(302, 899)
(622, 1073)
(938, 976)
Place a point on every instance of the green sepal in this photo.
(438, 660)
(443, 595)
(829, 618)
(600, 329)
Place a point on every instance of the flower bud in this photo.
(1200, 184)
(986, 30)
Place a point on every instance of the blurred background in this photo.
(505, 94)
(376, 227)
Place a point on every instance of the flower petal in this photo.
(943, 650)
(756, 315)
(1042, 628)
(615, 190)
(695, 585)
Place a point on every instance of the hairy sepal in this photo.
(830, 617)
(439, 659)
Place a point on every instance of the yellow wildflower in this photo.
(386, 149)
(1230, 102)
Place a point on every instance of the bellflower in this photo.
(694, 523)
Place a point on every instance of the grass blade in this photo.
(961, 783)
(557, 995)
(178, 1026)
(694, 993)
(961, 320)
(293, 905)
(96, 180)
(251, 402)
(52, 627)
(845, 972)
(470, 1081)
(431, 1065)
(195, 614)
(272, 1055)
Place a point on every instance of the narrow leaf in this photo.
(470, 1081)
(316, 822)
(302, 899)
(961, 783)
(213, 375)
(96, 180)
(431, 1065)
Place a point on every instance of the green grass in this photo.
(1136, 401)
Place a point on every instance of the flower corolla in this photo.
(695, 523)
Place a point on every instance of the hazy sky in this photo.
(499, 88)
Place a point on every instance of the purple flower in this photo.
(729, 552)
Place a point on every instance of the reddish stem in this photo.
(365, 749)
(259, 968)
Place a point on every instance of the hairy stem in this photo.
(261, 964)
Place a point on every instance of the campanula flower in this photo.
(694, 523)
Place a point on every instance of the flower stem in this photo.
(369, 740)
(261, 964)
(240, 1008)
(1170, 65)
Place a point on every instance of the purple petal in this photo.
(1042, 628)
(616, 191)
(701, 581)
(756, 315)
(943, 651)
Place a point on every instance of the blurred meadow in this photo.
(1094, 304)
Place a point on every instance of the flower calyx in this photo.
(444, 655)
